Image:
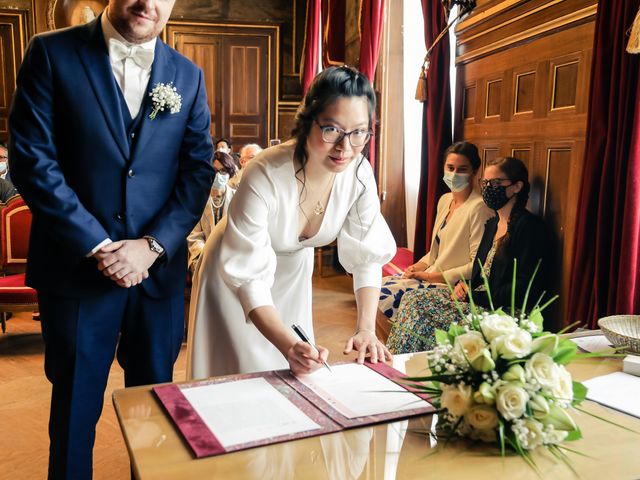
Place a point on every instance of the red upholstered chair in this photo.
(15, 223)
(399, 263)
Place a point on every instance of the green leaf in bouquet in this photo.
(485, 281)
(526, 294)
(574, 435)
(579, 393)
(513, 288)
(560, 419)
(454, 331)
(565, 352)
(442, 337)
(536, 317)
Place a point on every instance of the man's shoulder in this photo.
(63, 35)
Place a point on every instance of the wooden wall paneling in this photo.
(493, 99)
(286, 119)
(14, 32)
(240, 64)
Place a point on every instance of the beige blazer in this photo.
(459, 239)
(202, 230)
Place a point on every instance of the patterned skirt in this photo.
(421, 312)
(392, 290)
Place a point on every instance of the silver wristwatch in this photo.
(154, 245)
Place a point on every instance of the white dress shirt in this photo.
(131, 78)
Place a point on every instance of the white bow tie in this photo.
(141, 56)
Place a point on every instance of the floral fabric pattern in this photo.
(420, 313)
(393, 288)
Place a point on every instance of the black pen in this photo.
(303, 336)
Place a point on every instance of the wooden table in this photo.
(385, 451)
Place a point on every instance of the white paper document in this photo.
(617, 390)
(358, 391)
(246, 410)
(593, 343)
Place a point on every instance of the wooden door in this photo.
(240, 69)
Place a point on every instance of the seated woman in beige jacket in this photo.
(216, 208)
(459, 225)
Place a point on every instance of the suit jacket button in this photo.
(119, 216)
(131, 174)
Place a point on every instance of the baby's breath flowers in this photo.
(165, 97)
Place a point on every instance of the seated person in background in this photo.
(7, 190)
(514, 234)
(216, 208)
(247, 153)
(224, 145)
(223, 163)
(459, 224)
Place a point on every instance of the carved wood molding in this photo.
(50, 14)
(542, 29)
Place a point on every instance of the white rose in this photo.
(543, 369)
(471, 344)
(511, 401)
(562, 389)
(456, 399)
(482, 417)
(487, 436)
(495, 325)
(516, 344)
(534, 436)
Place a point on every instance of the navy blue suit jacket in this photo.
(71, 160)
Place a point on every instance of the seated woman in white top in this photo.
(216, 208)
(254, 279)
(458, 229)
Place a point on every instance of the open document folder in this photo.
(227, 414)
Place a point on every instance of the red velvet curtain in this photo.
(605, 272)
(333, 36)
(311, 54)
(436, 125)
(371, 19)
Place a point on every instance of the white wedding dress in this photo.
(255, 258)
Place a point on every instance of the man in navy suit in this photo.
(114, 194)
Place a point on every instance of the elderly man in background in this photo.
(247, 153)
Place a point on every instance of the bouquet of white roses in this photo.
(498, 377)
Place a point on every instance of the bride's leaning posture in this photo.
(254, 281)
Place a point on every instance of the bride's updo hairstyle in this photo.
(327, 87)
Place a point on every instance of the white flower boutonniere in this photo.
(165, 96)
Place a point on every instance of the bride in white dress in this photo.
(254, 278)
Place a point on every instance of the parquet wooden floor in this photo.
(25, 392)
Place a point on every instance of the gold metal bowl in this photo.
(622, 331)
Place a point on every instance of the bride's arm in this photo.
(364, 340)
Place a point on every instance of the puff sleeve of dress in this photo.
(248, 261)
(365, 242)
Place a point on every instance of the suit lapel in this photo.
(162, 71)
(95, 59)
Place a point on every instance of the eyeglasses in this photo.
(494, 182)
(357, 137)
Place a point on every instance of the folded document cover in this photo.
(228, 414)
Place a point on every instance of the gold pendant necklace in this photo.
(319, 208)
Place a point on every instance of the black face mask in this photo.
(495, 197)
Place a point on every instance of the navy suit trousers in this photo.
(81, 336)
